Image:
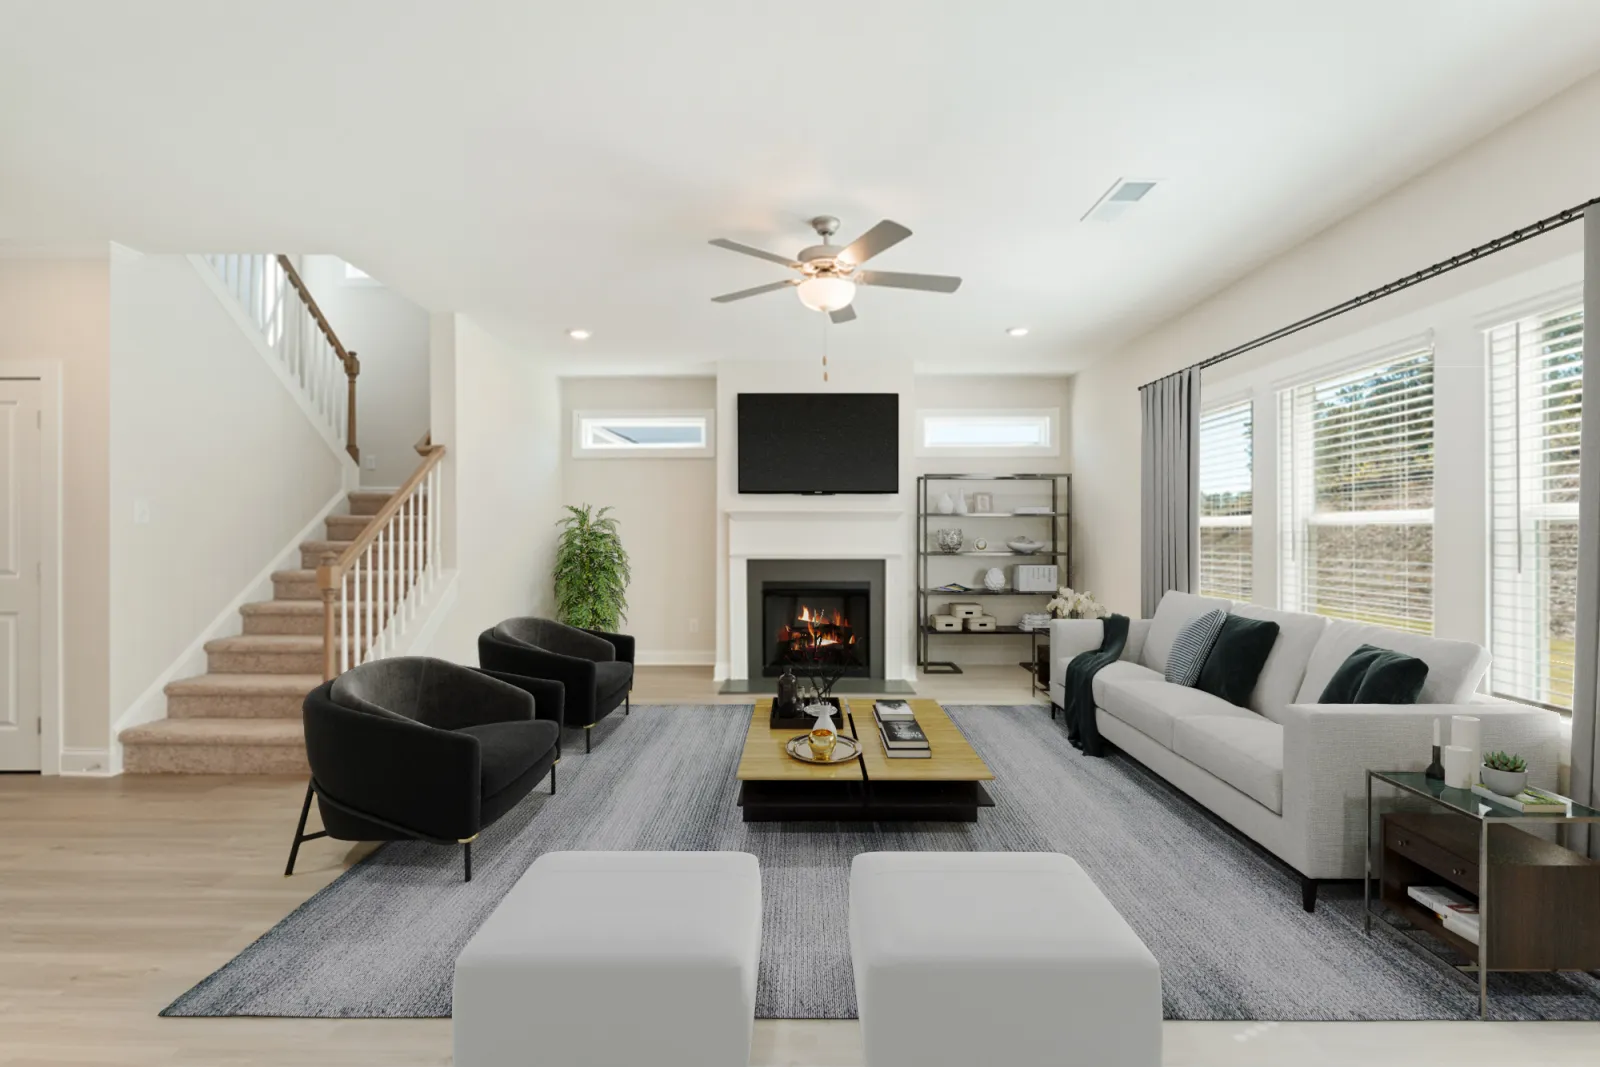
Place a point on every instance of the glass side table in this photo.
(1487, 813)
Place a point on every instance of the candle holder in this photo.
(1435, 769)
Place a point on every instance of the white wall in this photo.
(502, 437)
(667, 507)
(979, 392)
(1544, 161)
(207, 437)
(390, 336)
(59, 310)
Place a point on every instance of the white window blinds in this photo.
(1226, 502)
(1535, 405)
(1357, 494)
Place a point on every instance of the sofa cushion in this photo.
(1279, 683)
(1236, 659)
(1175, 611)
(506, 750)
(1152, 705)
(1373, 675)
(1454, 667)
(611, 679)
(1121, 670)
(1191, 647)
(1244, 751)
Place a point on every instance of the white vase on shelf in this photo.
(946, 504)
(961, 504)
(994, 580)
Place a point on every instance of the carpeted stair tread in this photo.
(226, 685)
(277, 733)
(285, 644)
(283, 607)
(368, 501)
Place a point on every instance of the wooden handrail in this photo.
(424, 443)
(352, 365)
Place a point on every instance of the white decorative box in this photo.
(945, 623)
(964, 611)
(980, 623)
(1034, 578)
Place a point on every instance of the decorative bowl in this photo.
(1024, 546)
(845, 749)
(948, 541)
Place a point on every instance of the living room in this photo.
(482, 614)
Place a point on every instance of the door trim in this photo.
(51, 670)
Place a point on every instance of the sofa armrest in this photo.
(1138, 630)
(549, 697)
(1070, 638)
(1328, 748)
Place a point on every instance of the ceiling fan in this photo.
(829, 273)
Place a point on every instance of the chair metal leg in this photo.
(627, 703)
(466, 860)
(1308, 893)
(588, 738)
(300, 832)
(552, 780)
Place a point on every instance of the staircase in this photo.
(243, 715)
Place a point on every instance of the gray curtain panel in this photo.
(1586, 681)
(1170, 500)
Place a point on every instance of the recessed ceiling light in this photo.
(578, 335)
(1017, 331)
(1125, 193)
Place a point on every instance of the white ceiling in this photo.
(545, 166)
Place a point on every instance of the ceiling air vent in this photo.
(1119, 198)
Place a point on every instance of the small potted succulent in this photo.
(1504, 773)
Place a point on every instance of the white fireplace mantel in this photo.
(820, 533)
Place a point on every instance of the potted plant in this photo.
(1069, 604)
(1504, 773)
(591, 571)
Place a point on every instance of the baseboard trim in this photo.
(674, 658)
(90, 763)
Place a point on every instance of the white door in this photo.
(20, 579)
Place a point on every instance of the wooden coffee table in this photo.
(948, 787)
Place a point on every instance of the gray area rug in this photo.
(1222, 917)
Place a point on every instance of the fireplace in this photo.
(828, 611)
(825, 625)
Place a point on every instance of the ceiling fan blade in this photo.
(884, 235)
(844, 314)
(933, 283)
(735, 246)
(770, 287)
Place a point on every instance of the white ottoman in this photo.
(1010, 958)
(610, 959)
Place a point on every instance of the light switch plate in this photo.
(369, 461)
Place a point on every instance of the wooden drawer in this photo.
(1460, 872)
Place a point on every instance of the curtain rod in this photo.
(1489, 248)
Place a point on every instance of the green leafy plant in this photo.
(1501, 761)
(592, 571)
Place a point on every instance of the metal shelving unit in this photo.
(1059, 518)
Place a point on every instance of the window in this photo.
(657, 433)
(1535, 405)
(1357, 495)
(1014, 432)
(1226, 502)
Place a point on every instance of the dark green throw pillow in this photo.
(1236, 660)
(1373, 675)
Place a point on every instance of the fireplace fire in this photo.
(815, 628)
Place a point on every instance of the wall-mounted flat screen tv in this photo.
(819, 443)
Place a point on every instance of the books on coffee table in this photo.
(898, 730)
(892, 709)
(902, 733)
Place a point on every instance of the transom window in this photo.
(1015, 432)
(656, 433)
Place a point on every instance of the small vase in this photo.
(961, 504)
(994, 580)
(1435, 769)
(946, 504)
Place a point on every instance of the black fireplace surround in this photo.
(830, 610)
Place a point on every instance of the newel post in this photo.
(328, 582)
(352, 368)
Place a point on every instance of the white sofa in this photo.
(1286, 771)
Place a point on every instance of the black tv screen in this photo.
(819, 443)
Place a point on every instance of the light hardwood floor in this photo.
(117, 895)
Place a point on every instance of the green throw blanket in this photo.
(1078, 685)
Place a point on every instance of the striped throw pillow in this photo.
(1191, 647)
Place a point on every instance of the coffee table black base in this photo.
(863, 801)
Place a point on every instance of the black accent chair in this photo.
(419, 748)
(595, 667)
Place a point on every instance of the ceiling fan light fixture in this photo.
(826, 292)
